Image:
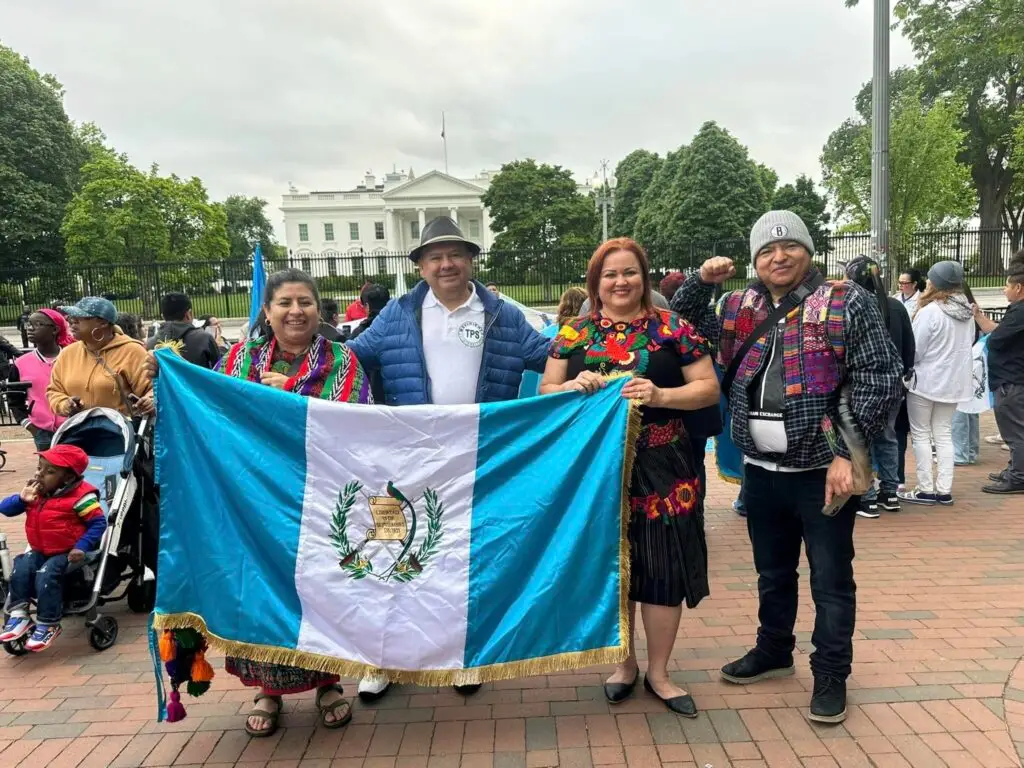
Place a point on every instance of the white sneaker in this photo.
(372, 688)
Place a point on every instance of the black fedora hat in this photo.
(441, 230)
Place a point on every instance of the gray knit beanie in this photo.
(776, 227)
(947, 275)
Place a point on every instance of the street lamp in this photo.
(603, 187)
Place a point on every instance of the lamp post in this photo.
(603, 187)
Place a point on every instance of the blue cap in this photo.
(93, 306)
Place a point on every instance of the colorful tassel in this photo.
(172, 668)
(175, 709)
(167, 648)
(202, 672)
(196, 689)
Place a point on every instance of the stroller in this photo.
(117, 468)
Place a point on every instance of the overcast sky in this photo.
(250, 95)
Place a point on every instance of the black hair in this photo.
(289, 275)
(130, 324)
(375, 298)
(1015, 271)
(328, 309)
(488, 285)
(916, 278)
(174, 306)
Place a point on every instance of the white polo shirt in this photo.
(453, 346)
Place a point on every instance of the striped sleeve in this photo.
(88, 506)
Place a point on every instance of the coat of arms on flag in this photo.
(391, 528)
(426, 543)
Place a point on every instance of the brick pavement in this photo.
(936, 678)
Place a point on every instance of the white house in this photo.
(381, 217)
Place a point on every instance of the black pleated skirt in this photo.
(669, 554)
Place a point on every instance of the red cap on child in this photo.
(69, 456)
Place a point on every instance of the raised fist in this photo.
(717, 270)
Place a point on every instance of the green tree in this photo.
(803, 199)
(122, 215)
(717, 194)
(973, 51)
(38, 164)
(537, 210)
(633, 175)
(929, 187)
(769, 180)
(247, 224)
(654, 211)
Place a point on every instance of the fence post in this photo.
(223, 288)
(959, 237)
(159, 293)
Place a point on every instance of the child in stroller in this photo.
(119, 454)
(64, 521)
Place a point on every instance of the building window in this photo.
(474, 229)
(414, 229)
(378, 230)
(329, 232)
(353, 231)
(303, 233)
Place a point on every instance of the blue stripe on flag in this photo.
(231, 550)
(544, 562)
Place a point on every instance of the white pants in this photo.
(932, 422)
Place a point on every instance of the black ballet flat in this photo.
(616, 693)
(681, 705)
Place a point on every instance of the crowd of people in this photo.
(821, 381)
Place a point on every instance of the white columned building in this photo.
(326, 231)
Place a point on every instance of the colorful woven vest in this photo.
(814, 349)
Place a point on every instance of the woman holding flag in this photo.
(292, 357)
(672, 372)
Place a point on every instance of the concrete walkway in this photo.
(936, 679)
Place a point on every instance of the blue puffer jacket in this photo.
(394, 345)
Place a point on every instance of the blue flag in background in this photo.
(259, 280)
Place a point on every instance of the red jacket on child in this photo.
(55, 524)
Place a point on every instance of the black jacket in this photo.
(198, 347)
(376, 382)
(1006, 349)
(902, 332)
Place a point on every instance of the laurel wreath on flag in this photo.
(359, 567)
(411, 566)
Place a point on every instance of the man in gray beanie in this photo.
(790, 344)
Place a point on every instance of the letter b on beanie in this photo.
(777, 227)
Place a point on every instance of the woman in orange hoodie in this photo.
(103, 369)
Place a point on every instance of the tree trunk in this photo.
(990, 208)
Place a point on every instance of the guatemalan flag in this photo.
(438, 544)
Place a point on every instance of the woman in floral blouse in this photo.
(672, 373)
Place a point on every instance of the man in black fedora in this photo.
(449, 341)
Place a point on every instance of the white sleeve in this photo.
(924, 329)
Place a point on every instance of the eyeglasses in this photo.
(906, 282)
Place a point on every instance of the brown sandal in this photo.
(270, 717)
(331, 709)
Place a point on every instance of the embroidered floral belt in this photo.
(680, 501)
(655, 435)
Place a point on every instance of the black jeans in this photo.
(1009, 410)
(784, 508)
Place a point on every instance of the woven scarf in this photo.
(329, 371)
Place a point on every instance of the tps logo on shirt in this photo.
(471, 334)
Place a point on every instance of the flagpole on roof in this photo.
(444, 140)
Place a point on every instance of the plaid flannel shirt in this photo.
(871, 370)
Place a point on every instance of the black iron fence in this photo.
(222, 288)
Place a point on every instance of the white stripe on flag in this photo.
(417, 624)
